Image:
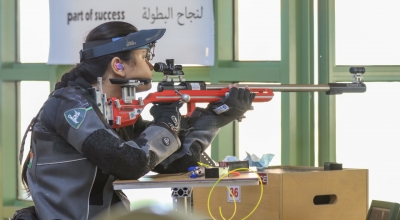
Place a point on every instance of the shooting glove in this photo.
(167, 115)
(28, 213)
(235, 104)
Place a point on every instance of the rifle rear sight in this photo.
(168, 68)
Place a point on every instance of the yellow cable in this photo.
(234, 210)
(258, 203)
(209, 196)
(203, 164)
(261, 193)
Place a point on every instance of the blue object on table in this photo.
(260, 163)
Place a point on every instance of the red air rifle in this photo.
(126, 111)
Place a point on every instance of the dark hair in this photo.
(90, 69)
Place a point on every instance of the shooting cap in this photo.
(136, 40)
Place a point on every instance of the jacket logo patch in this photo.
(166, 141)
(75, 116)
(221, 109)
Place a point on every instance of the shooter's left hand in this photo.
(235, 104)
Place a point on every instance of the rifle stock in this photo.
(124, 112)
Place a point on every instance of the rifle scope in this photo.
(168, 68)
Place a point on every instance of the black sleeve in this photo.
(197, 134)
(81, 125)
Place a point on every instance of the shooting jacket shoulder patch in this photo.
(76, 116)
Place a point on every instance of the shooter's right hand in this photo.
(167, 115)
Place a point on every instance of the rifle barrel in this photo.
(279, 87)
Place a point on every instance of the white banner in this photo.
(189, 38)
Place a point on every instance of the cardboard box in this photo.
(294, 193)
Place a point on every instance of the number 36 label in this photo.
(234, 193)
(264, 178)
